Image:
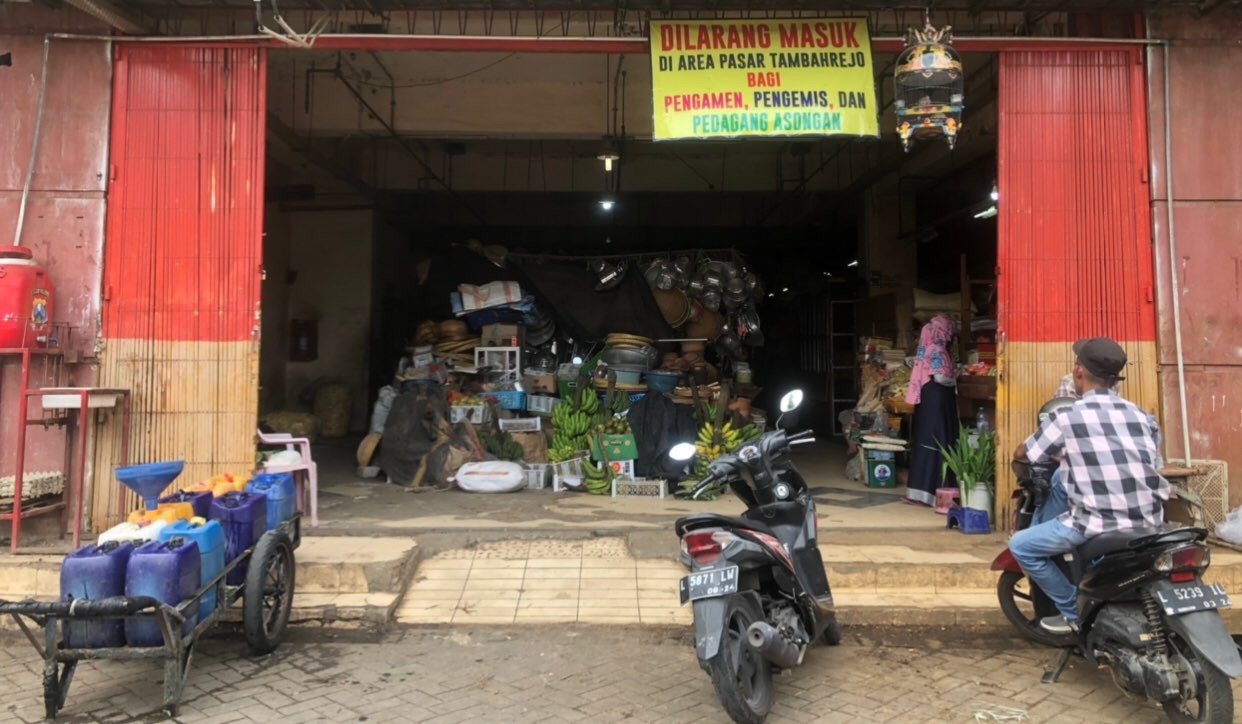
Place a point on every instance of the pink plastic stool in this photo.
(946, 498)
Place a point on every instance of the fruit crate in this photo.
(634, 397)
(470, 413)
(537, 475)
(569, 470)
(638, 488)
(508, 399)
(521, 424)
(541, 404)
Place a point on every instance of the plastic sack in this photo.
(297, 424)
(383, 405)
(491, 477)
(1230, 529)
(333, 402)
(284, 457)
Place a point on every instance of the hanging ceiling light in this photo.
(609, 154)
(995, 195)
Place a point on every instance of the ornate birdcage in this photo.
(928, 85)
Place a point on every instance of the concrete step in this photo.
(338, 578)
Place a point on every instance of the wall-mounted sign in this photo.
(737, 78)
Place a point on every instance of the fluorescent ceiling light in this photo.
(853, 263)
(987, 213)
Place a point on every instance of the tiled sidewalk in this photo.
(594, 581)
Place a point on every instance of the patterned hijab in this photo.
(933, 356)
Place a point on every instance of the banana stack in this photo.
(597, 481)
(713, 443)
(571, 422)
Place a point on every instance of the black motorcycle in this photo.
(757, 581)
(1144, 613)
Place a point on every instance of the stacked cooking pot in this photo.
(713, 299)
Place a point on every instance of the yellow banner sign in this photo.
(734, 78)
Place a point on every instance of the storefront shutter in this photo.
(182, 256)
(1075, 252)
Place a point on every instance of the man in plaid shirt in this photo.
(1056, 502)
(1110, 448)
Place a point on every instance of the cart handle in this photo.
(113, 607)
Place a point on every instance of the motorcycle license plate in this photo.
(1191, 597)
(709, 584)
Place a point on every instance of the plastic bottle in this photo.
(981, 420)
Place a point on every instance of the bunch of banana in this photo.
(560, 454)
(597, 481)
(621, 403)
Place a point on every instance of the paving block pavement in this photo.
(576, 673)
(339, 578)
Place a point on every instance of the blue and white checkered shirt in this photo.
(1111, 450)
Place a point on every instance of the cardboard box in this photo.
(503, 335)
(540, 383)
(615, 447)
(622, 467)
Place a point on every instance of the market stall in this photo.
(573, 374)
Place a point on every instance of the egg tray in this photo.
(37, 484)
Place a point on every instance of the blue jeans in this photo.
(1034, 547)
(1054, 505)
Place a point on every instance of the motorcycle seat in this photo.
(712, 520)
(1111, 543)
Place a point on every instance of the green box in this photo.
(618, 447)
(881, 469)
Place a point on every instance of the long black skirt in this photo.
(935, 421)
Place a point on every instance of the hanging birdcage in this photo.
(928, 86)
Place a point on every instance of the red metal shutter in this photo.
(182, 256)
(1075, 249)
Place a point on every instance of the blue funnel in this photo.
(149, 480)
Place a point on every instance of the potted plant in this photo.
(973, 461)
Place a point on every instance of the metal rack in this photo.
(72, 500)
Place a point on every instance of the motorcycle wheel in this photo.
(1214, 702)
(832, 634)
(1008, 593)
(742, 678)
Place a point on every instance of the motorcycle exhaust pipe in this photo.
(772, 646)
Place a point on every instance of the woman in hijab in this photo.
(933, 392)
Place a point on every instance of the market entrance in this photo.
(394, 178)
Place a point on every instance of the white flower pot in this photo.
(980, 498)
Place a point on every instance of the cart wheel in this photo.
(268, 597)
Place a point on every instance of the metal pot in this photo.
(730, 346)
(653, 271)
(644, 357)
(697, 287)
(712, 300)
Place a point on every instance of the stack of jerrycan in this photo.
(168, 571)
(94, 572)
(209, 537)
(243, 516)
(281, 494)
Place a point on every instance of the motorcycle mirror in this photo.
(791, 400)
(682, 452)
